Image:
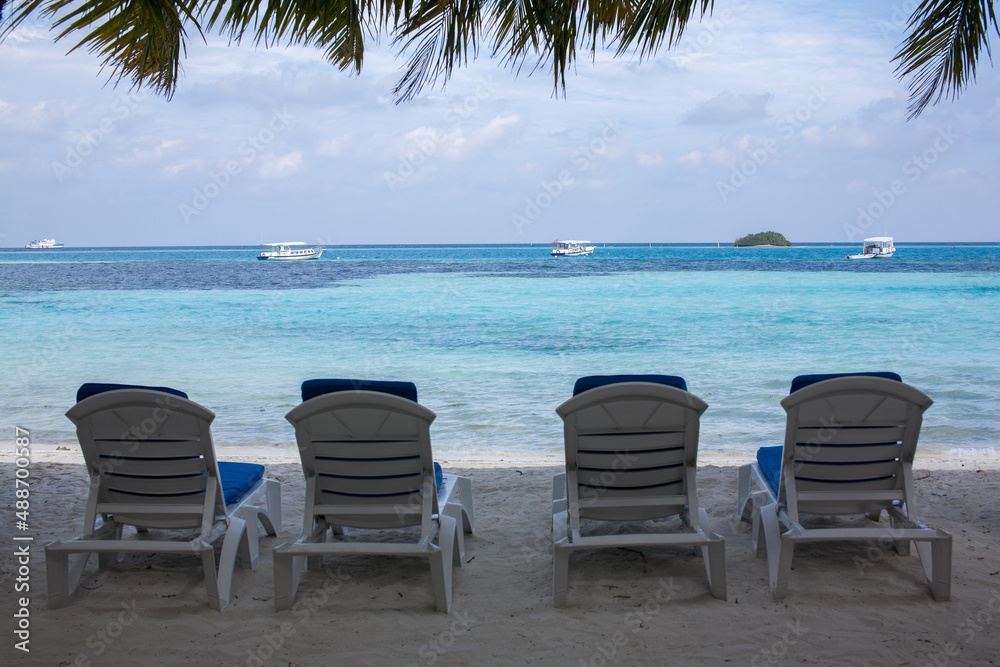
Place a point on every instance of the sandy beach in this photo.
(849, 604)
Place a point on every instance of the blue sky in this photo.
(779, 116)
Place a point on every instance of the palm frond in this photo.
(140, 40)
(440, 34)
(940, 52)
(653, 24)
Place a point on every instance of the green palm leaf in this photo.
(940, 53)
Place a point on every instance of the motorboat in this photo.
(571, 248)
(43, 244)
(876, 247)
(291, 250)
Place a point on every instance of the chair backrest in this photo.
(367, 459)
(849, 445)
(631, 451)
(150, 458)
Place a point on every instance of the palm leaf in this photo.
(140, 40)
(654, 23)
(439, 34)
(942, 47)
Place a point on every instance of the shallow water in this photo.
(495, 336)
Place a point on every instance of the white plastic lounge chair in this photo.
(849, 447)
(152, 465)
(631, 454)
(366, 455)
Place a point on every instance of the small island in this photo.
(762, 239)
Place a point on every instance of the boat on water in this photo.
(571, 248)
(291, 250)
(43, 244)
(876, 247)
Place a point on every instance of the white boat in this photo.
(571, 248)
(290, 250)
(43, 244)
(877, 246)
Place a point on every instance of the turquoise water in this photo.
(494, 337)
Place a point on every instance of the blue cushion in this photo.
(594, 381)
(803, 381)
(769, 460)
(238, 478)
(314, 388)
(92, 388)
(438, 475)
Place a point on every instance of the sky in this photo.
(781, 115)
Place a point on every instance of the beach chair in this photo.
(366, 454)
(152, 465)
(849, 447)
(631, 454)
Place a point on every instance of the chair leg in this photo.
(560, 559)
(454, 510)
(714, 555)
(935, 557)
(441, 563)
(272, 522)
(468, 508)
(251, 558)
(111, 531)
(744, 507)
(779, 552)
(902, 547)
(758, 543)
(216, 599)
(60, 574)
(287, 575)
(316, 562)
(220, 585)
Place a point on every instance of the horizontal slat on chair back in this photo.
(848, 453)
(631, 446)
(617, 471)
(370, 473)
(850, 443)
(149, 449)
(365, 456)
(849, 435)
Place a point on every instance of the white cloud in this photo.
(279, 166)
(333, 147)
(729, 108)
(649, 160)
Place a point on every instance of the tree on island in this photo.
(762, 238)
(144, 42)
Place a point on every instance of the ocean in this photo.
(495, 336)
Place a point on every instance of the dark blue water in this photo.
(237, 268)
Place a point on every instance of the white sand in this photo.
(848, 605)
